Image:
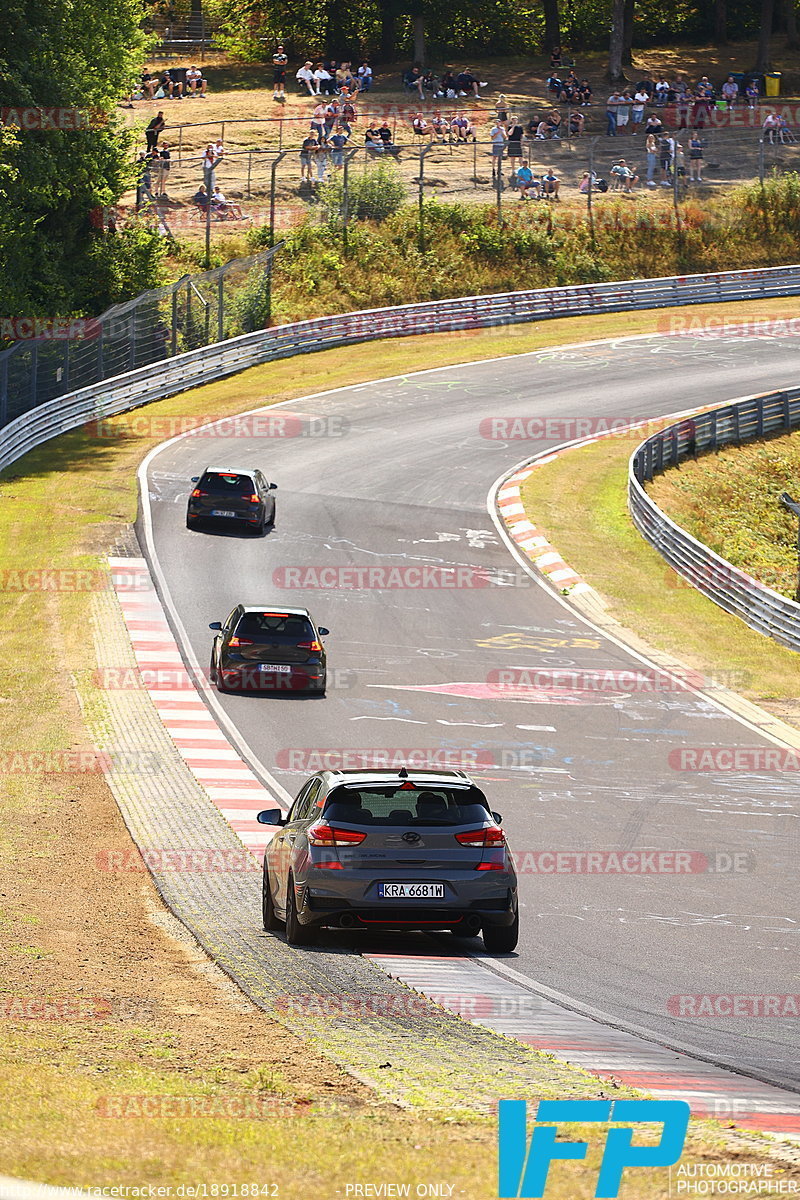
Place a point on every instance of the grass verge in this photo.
(71, 932)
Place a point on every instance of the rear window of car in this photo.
(393, 804)
(285, 626)
(227, 485)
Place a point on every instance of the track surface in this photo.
(407, 486)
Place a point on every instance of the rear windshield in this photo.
(275, 625)
(393, 804)
(227, 485)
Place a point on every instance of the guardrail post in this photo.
(3, 389)
(714, 439)
(220, 305)
(787, 412)
(174, 340)
(34, 371)
(760, 417)
(249, 172)
(736, 426)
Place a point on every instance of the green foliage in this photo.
(252, 304)
(122, 265)
(62, 54)
(372, 195)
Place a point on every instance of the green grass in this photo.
(579, 500)
(731, 501)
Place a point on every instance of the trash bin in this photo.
(773, 83)
(721, 105)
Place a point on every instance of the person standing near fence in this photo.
(166, 166)
(322, 157)
(153, 130)
(280, 61)
(695, 158)
(515, 135)
(498, 138)
(651, 152)
(612, 103)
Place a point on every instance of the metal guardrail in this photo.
(762, 608)
(170, 375)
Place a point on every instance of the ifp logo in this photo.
(523, 1169)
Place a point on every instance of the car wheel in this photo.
(296, 934)
(212, 671)
(269, 919)
(501, 939)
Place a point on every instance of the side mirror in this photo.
(497, 818)
(322, 631)
(195, 479)
(215, 625)
(272, 487)
(271, 816)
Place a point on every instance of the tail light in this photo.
(235, 641)
(330, 866)
(491, 836)
(309, 645)
(197, 492)
(253, 499)
(489, 866)
(325, 835)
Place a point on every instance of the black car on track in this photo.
(231, 495)
(268, 649)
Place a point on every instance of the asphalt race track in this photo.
(405, 485)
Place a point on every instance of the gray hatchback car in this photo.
(365, 849)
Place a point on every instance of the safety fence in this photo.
(762, 608)
(128, 389)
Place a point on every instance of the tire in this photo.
(212, 671)
(269, 920)
(296, 934)
(501, 939)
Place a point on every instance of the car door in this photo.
(266, 496)
(222, 638)
(280, 850)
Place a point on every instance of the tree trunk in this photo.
(418, 24)
(792, 40)
(617, 43)
(388, 30)
(334, 31)
(627, 34)
(196, 23)
(720, 21)
(763, 60)
(552, 25)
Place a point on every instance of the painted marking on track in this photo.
(480, 690)
(529, 641)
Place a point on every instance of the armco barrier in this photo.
(737, 592)
(157, 380)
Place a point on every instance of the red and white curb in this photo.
(500, 1002)
(219, 769)
(532, 540)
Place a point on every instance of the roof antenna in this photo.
(403, 773)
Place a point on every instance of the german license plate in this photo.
(411, 891)
(281, 670)
(220, 512)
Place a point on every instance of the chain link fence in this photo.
(195, 311)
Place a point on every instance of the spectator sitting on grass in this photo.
(385, 134)
(323, 80)
(441, 127)
(550, 185)
(200, 198)
(365, 77)
(372, 141)
(194, 80)
(585, 93)
(305, 77)
(421, 127)
(624, 176)
(225, 206)
(148, 85)
(730, 91)
(542, 131)
(576, 123)
(466, 82)
(553, 122)
(447, 86)
(527, 181)
(462, 128)
(661, 92)
(654, 125)
(555, 57)
(413, 81)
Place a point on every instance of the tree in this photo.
(764, 34)
(627, 35)
(790, 12)
(720, 21)
(616, 49)
(552, 25)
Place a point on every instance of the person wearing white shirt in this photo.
(323, 80)
(637, 112)
(364, 77)
(306, 76)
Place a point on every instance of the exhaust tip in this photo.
(347, 921)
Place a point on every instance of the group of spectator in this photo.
(450, 85)
(334, 79)
(172, 84)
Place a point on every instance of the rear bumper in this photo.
(241, 678)
(323, 910)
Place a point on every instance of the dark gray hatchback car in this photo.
(365, 849)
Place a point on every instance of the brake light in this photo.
(325, 835)
(490, 866)
(329, 866)
(197, 492)
(235, 641)
(252, 498)
(491, 836)
(309, 645)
